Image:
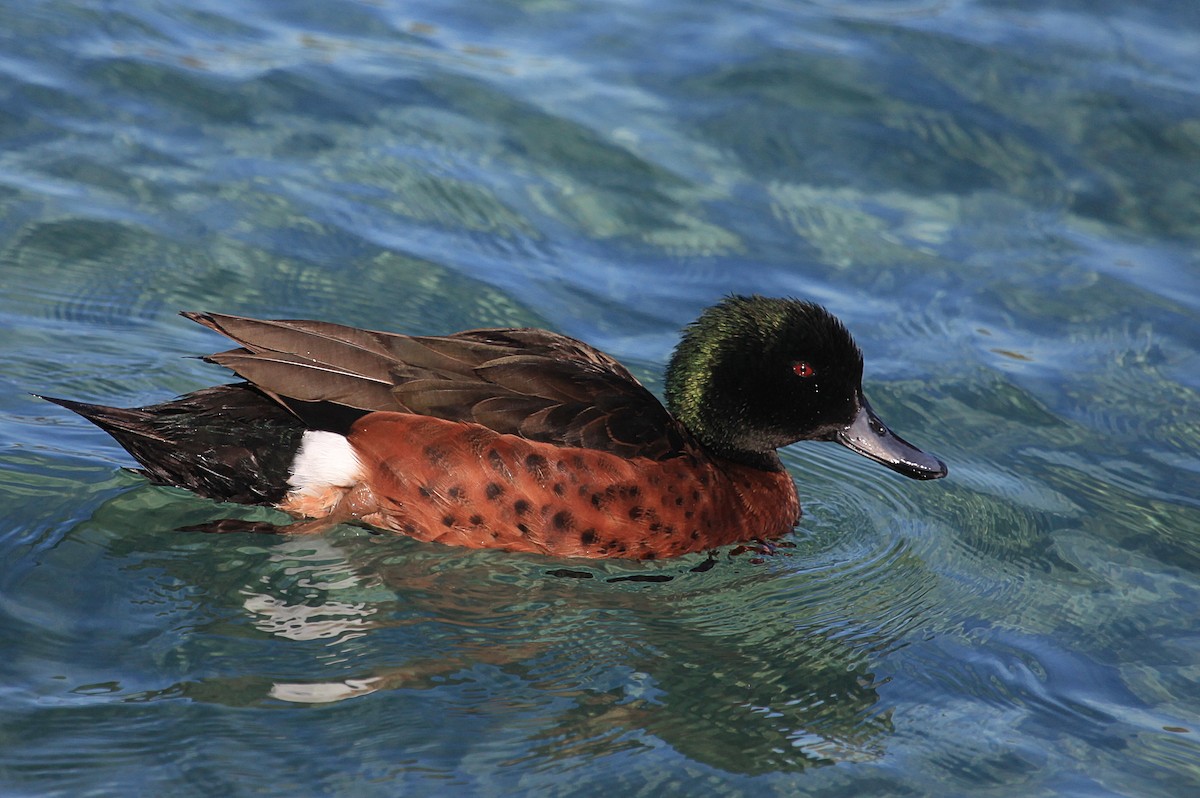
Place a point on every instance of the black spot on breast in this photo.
(424, 491)
(562, 520)
(598, 500)
(636, 513)
(521, 506)
(496, 461)
(587, 537)
(435, 454)
(448, 520)
(457, 493)
(476, 520)
(695, 495)
(538, 467)
(410, 529)
(559, 490)
(493, 490)
(523, 529)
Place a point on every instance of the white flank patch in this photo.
(325, 459)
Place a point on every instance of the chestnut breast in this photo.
(464, 484)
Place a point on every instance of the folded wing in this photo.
(536, 384)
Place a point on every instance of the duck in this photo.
(518, 439)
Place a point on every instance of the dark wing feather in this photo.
(533, 383)
(300, 378)
(229, 442)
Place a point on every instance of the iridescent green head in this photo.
(754, 373)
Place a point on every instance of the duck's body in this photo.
(466, 485)
(518, 439)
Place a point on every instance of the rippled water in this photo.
(999, 198)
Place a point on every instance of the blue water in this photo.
(1000, 199)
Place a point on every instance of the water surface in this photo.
(998, 198)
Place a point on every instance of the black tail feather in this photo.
(229, 443)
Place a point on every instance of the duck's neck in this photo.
(763, 461)
(689, 401)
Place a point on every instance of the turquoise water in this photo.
(999, 198)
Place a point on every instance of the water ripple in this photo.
(998, 200)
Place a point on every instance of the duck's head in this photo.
(753, 374)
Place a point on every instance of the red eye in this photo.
(803, 368)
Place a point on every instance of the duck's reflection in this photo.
(622, 660)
